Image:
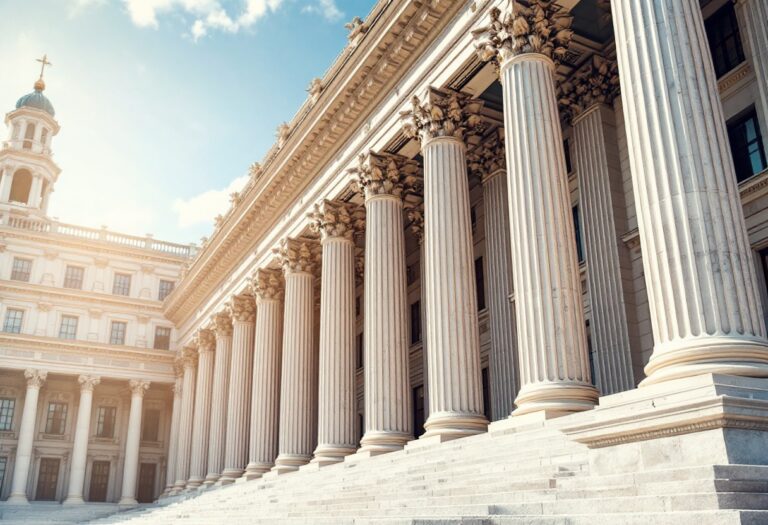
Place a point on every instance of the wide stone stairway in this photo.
(507, 476)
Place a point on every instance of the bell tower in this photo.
(27, 170)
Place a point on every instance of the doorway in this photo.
(99, 481)
(47, 479)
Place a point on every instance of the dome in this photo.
(36, 100)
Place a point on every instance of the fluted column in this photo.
(219, 397)
(298, 387)
(35, 380)
(174, 435)
(80, 447)
(488, 162)
(239, 404)
(551, 337)
(455, 385)
(336, 437)
(265, 395)
(699, 270)
(132, 442)
(388, 421)
(206, 342)
(184, 448)
(752, 16)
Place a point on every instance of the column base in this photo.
(195, 482)
(74, 500)
(290, 462)
(328, 454)
(128, 502)
(211, 479)
(256, 470)
(454, 425)
(230, 475)
(736, 356)
(179, 486)
(555, 399)
(381, 441)
(17, 499)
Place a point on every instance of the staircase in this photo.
(508, 476)
(39, 512)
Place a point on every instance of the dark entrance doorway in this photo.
(146, 483)
(99, 481)
(47, 479)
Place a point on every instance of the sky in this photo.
(163, 104)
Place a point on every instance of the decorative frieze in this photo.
(385, 174)
(597, 82)
(443, 113)
(337, 219)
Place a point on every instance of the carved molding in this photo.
(597, 82)
(337, 219)
(443, 113)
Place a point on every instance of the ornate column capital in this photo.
(206, 340)
(337, 219)
(35, 378)
(597, 82)
(243, 309)
(415, 214)
(385, 174)
(138, 387)
(541, 27)
(298, 255)
(488, 158)
(87, 383)
(267, 285)
(222, 323)
(187, 357)
(443, 113)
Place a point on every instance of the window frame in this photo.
(112, 339)
(155, 341)
(722, 29)
(102, 419)
(157, 413)
(734, 125)
(118, 289)
(15, 272)
(7, 413)
(51, 418)
(17, 328)
(161, 293)
(68, 280)
(73, 334)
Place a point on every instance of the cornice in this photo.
(754, 187)
(359, 79)
(31, 158)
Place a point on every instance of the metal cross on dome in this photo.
(44, 62)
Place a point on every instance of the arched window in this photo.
(22, 184)
(29, 136)
(44, 137)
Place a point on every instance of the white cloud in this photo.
(327, 8)
(202, 208)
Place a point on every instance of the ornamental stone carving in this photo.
(206, 340)
(298, 255)
(315, 89)
(267, 285)
(87, 383)
(188, 357)
(488, 157)
(444, 113)
(283, 131)
(595, 83)
(415, 214)
(243, 308)
(541, 27)
(138, 387)
(35, 378)
(222, 323)
(386, 174)
(337, 219)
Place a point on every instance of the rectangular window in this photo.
(480, 283)
(162, 338)
(360, 354)
(577, 232)
(56, 421)
(117, 333)
(150, 428)
(166, 287)
(746, 145)
(68, 328)
(418, 410)
(724, 40)
(121, 284)
(22, 268)
(105, 422)
(415, 322)
(13, 320)
(73, 277)
(7, 408)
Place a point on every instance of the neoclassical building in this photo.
(492, 220)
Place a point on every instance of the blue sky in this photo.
(164, 103)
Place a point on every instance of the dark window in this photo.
(415, 322)
(577, 232)
(56, 421)
(724, 39)
(7, 408)
(486, 392)
(22, 268)
(13, 320)
(68, 328)
(567, 150)
(121, 284)
(166, 287)
(746, 145)
(105, 422)
(73, 277)
(3, 467)
(151, 426)
(418, 410)
(162, 338)
(117, 333)
(480, 283)
(360, 351)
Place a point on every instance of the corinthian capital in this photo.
(222, 323)
(386, 174)
(243, 308)
(541, 26)
(298, 255)
(35, 378)
(138, 386)
(87, 383)
(188, 357)
(443, 113)
(267, 285)
(206, 340)
(415, 214)
(488, 157)
(337, 219)
(597, 82)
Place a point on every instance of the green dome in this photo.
(36, 100)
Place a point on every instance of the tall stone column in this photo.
(752, 15)
(239, 404)
(586, 99)
(184, 448)
(170, 476)
(699, 270)
(265, 396)
(551, 337)
(222, 322)
(489, 163)
(298, 388)
(80, 448)
(35, 380)
(336, 437)
(132, 442)
(455, 383)
(388, 421)
(206, 344)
